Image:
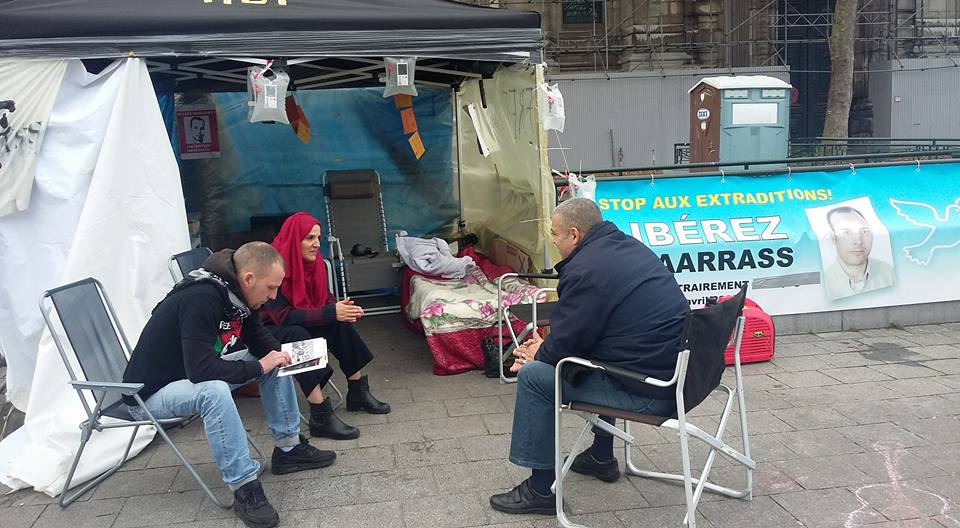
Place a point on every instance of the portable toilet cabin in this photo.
(739, 118)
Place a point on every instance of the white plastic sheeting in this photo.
(107, 203)
(27, 91)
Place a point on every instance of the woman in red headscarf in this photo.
(305, 309)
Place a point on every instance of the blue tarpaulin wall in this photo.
(264, 169)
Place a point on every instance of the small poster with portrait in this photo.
(310, 354)
(197, 131)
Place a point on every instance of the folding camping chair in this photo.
(89, 324)
(356, 220)
(182, 264)
(537, 313)
(700, 365)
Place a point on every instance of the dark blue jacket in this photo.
(619, 305)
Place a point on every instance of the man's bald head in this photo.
(571, 221)
(256, 257)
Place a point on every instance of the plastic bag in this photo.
(267, 94)
(583, 187)
(551, 107)
(400, 71)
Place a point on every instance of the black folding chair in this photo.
(86, 321)
(700, 365)
(181, 264)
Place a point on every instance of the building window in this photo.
(582, 11)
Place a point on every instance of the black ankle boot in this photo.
(325, 423)
(359, 398)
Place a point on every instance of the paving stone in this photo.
(758, 400)
(821, 442)
(197, 452)
(936, 429)
(855, 374)
(474, 406)
(593, 496)
(841, 346)
(803, 379)
(802, 418)
(409, 412)
(946, 366)
(767, 480)
(798, 349)
(363, 460)
(453, 510)
(906, 370)
(131, 483)
(824, 472)
(796, 338)
(917, 386)
(901, 501)
(390, 433)
(832, 336)
(891, 465)
(21, 516)
(799, 364)
(500, 424)
(397, 484)
(763, 382)
(885, 332)
(944, 456)
(383, 514)
(926, 329)
(321, 492)
(761, 511)
(92, 514)
(938, 351)
(429, 453)
(160, 509)
(660, 517)
(487, 447)
(211, 523)
(881, 436)
(886, 343)
(931, 339)
(480, 475)
(457, 427)
(828, 508)
(604, 520)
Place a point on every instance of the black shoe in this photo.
(585, 464)
(302, 457)
(359, 398)
(252, 506)
(329, 425)
(523, 499)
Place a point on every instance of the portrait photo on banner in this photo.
(855, 251)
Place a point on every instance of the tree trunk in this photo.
(841, 68)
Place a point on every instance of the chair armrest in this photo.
(127, 389)
(548, 276)
(619, 372)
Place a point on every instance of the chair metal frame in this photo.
(503, 317)
(173, 264)
(99, 389)
(680, 424)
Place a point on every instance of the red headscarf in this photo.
(305, 284)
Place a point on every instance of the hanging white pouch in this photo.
(399, 76)
(583, 187)
(551, 107)
(267, 94)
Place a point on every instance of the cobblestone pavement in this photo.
(848, 428)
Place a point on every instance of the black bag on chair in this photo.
(491, 357)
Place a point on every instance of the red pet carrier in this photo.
(757, 342)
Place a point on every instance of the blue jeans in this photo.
(531, 444)
(225, 433)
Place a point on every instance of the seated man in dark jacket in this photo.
(184, 360)
(618, 305)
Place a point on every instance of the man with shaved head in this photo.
(617, 305)
(185, 361)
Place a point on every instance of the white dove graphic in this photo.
(941, 235)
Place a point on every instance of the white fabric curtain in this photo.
(107, 203)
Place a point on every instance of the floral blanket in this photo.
(457, 314)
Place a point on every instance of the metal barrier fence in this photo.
(841, 146)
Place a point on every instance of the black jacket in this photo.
(619, 305)
(197, 322)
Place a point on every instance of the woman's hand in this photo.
(348, 311)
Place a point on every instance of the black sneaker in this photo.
(302, 457)
(252, 506)
(523, 499)
(585, 464)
